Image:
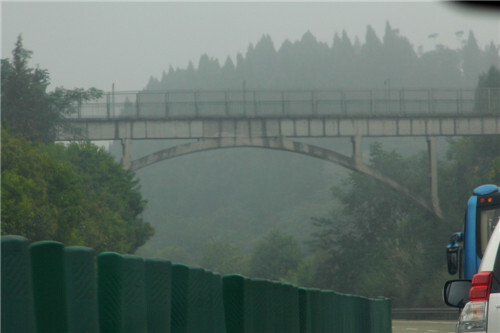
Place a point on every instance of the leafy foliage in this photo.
(377, 234)
(223, 257)
(27, 108)
(472, 160)
(41, 196)
(488, 91)
(275, 256)
(76, 194)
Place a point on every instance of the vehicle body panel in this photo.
(494, 313)
(471, 260)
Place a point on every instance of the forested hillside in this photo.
(237, 210)
(378, 63)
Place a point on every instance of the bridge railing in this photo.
(275, 103)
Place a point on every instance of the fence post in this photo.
(226, 105)
(431, 101)
(158, 294)
(219, 322)
(316, 310)
(108, 107)
(81, 289)
(255, 102)
(110, 292)
(313, 102)
(304, 311)
(180, 285)
(49, 286)
(401, 102)
(18, 314)
(233, 296)
(195, 97)
(283, 102)
(343, 107)
(244, 98)
(489, 100)
(137, 107)
(166, 104)
(134, 295)
(290, 304)
(371, 102)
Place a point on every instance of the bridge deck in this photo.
(115, 129)
(209, 114)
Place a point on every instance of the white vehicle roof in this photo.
(488, 261)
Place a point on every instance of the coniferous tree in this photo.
(372, 61)
(399, 57)
(28, 109)
(473, 63)
(343, 57)
(487, 98)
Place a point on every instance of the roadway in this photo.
(423, 326)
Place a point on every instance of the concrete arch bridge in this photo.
(271, 119)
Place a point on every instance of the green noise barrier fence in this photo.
(47, 287)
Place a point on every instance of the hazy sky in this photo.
(85, 44)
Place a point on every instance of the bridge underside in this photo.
(352, 163)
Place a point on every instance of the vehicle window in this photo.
(488, 220)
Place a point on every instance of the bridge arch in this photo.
(280, 143)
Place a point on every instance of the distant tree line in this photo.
(390, 62)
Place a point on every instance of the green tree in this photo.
(223, 257)
(487, 98)
(41, 195)
(77, 195)
(275, 257)
(27, 108)
(476, 157)
(112, 194)
(473, 62)
(472, 161)
(176, 254)
(376, 234)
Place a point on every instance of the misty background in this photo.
(230, 202)
(90, 44)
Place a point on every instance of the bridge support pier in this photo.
(126, 158)
(357, 149)
(433, 176)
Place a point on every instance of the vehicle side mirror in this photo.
(452, 258)
(456, 292)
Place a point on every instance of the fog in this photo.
(85, 44)
(220, 209)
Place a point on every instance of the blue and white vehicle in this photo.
(480, 298)
(466, 249)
